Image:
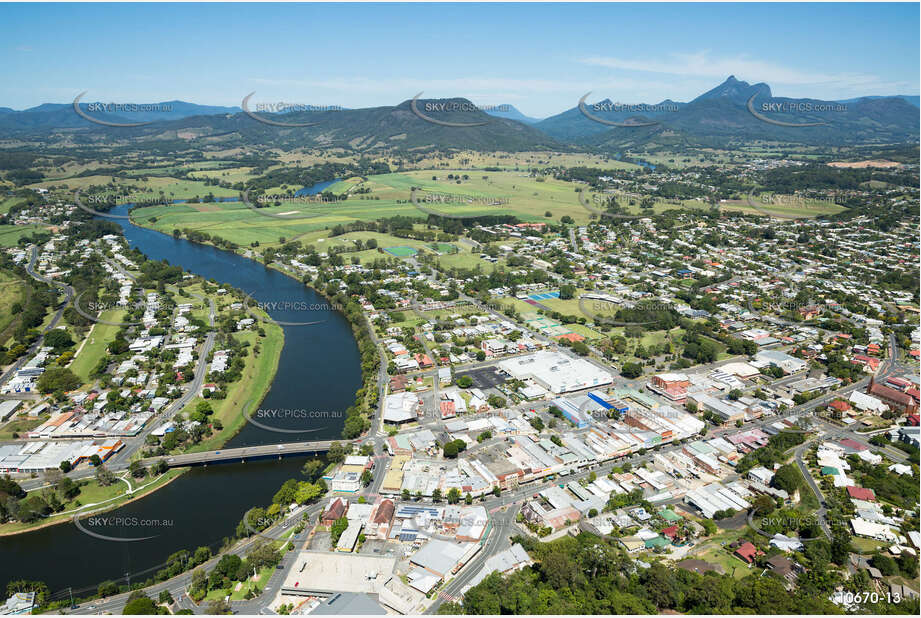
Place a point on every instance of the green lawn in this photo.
(11, 292)
(10, 234)
(20, 425)
(95, 348)
(9, 202)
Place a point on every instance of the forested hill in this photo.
(591, 575)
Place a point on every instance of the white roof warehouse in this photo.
(555, 372)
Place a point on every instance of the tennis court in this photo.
(401, 251)
(544, 296)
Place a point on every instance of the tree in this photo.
(56, 379)
(58, 339)
(788, 478)
(219, 607)
(307, 492)
(104, 476)
(24, 585)
(454, 495)
(65, 466)
(107, 589)
(338, 527)
(567, 291)
(436, 495)
(631, 370)
(495, 401)
(137, 470)
(142, 605)
(464, 381)
(337, 452)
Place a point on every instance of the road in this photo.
(177, 586)
(68, 291)
(241, 454)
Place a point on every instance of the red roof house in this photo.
(861, 493)
(748, 552)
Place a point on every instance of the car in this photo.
(281, 447)
(217, 452)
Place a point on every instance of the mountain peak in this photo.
(735, 90)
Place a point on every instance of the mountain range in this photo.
(732, 112)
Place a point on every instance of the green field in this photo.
(7, 203)
(401, 251)
(10, 234)
(523, 196)
(782, 206)
(153, 187)
(95, 347)
(11, 292)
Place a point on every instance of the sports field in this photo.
(401, 251)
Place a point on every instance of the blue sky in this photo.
(539, 57)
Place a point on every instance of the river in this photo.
(318, 374)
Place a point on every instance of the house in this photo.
(861, 493)
(398, 384)
(748, 552)
(785, 568)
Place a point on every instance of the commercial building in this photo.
(787, 363)
(556, 372)
(443, 558)
(672, 386)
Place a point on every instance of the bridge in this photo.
(243, 454)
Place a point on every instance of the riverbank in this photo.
(367, 397)
(12, 529)
(246, 394)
